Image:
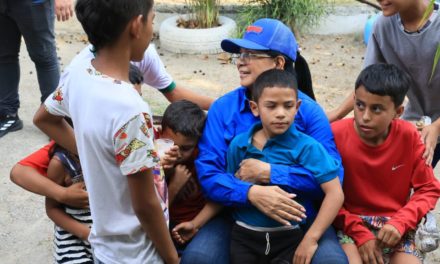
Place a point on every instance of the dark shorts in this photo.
(250, 246)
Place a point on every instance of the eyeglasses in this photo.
(245, 57)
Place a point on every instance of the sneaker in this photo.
(10, 123)
(427, 235)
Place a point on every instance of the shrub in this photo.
(297, 14)
(204, 14)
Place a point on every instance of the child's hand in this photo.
(75, 196)
(183, 232)
(305, 251)
(388, 236)
(84, 233)
(371, 253)
(169, 160)
(180, 177)
(254, 171)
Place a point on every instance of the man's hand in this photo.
(305, 251)
(255, 171)
(388, 236)
(63, 9)
(371, 253)
(184, 232)
(430, 136)
(276, 203)
(75, 196)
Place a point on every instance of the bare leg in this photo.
(352, 253)
(401, 257)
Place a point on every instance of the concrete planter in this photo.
(194, 41)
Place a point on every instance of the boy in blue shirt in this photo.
(255, 236)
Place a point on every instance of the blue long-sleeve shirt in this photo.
(229, 116)
(291, 147)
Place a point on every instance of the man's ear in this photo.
(399, 111)
(254, 108)
(298, 104)
(136, 26)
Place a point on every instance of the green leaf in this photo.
(434, 65)
(426, 13)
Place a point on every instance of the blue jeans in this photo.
(34, 21)
(329, 250)
(212, 245)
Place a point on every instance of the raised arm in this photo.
(180, 93)
(155, 75)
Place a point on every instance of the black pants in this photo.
(249, 246)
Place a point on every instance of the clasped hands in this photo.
(270, 200)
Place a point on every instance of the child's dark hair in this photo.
(135, 75)
(105, 20)
(272, 78)
(184, 117)
(385, 79)
(301, 69)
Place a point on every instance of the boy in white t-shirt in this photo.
(114, 135)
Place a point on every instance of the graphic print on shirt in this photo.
(58, 95)
(134, 145)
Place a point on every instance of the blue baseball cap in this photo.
(265, 34)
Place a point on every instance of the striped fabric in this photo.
(69, 248)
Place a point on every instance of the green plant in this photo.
(426, 15)
(204, 14)
(297, 14)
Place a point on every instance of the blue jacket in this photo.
(229, 116)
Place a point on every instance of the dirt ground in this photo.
(26, 232)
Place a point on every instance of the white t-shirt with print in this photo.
(114, 137)
(151, 66)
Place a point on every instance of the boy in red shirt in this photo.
(183, 122)
(382, 158)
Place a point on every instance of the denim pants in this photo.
(212, 245)
(34, 21)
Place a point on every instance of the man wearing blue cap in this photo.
(266, 44)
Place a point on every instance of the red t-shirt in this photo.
(378, 179)
(190, 200)
(39, 160)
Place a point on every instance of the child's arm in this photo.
(424, 198)
(56, 128)
(177, 181)
(333, 200)
(344, 109)
(148, 210)
(30, 179)
(185, 231)
(352, 226)
(54, 210)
